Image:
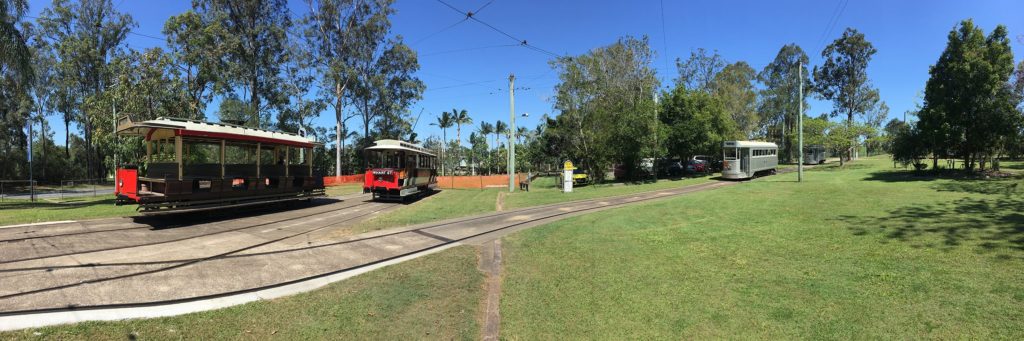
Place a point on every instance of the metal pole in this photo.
(654, 160)
(113, 116)
(31, 184)
(512, 130)
(800, 120)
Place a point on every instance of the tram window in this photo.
(296, 156)
(240, 160)
(163, 150)
(376, 159)
(271, 155)
(730, 152)
(197, 153)
(410, 160)
(240, 154)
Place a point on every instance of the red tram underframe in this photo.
(398, 170)
(194, 165)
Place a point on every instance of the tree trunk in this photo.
(338, 129)
(67, 139)
(42, 135)
(254, 102)
(458, 150)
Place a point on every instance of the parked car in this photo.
(696, 166)
(672, 168)
(580, 177)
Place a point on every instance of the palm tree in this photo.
(521, 133)
(486, 129)
(472, 143)
(444, 122)
(460, 117)
(16, 55)
(499, 128)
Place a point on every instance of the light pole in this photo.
(511, 128)
(800, 122)
(31, 179)
(654, 160)
(113, 119)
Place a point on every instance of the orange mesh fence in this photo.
(344, 179)
(462, 182)
(477, 181)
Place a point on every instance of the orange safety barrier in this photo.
(461, 181)
(478, 181)
(344, 179)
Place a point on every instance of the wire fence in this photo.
(24, 190)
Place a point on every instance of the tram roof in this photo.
(202, 129)
(399, 145)
(749, 144)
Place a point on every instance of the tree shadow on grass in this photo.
(1014, 165)
(988, 224)
(1007, 186)
(834, 166)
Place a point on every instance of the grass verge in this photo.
(24, 211)
(857, 252)
(343, 189)
(546, 190)
(433, 297)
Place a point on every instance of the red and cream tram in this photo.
(398, 170)
(193, 165)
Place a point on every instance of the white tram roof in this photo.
(749, 144)
(202, 129)
(399, 145)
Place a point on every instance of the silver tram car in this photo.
(744, 159)
(814, 154)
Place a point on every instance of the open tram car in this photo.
(398, 170)
(194, 165)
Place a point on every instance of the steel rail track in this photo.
(122, 247)
(196, 261)
(444, 223)
(76, 233)
(684, 190)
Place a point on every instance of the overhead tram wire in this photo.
(833, 20)
(129, 31)
(468, 49)
(482, 7)
(439, 31)
(523, 42)
(468, 15)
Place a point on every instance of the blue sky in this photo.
(466, 67)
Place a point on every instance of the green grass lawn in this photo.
(24, 211)
(449, 203)
(405, 301)
(343, 189)
(547, 190)
(858, 252)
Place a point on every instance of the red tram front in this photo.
(193, 165)
(398, 170)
